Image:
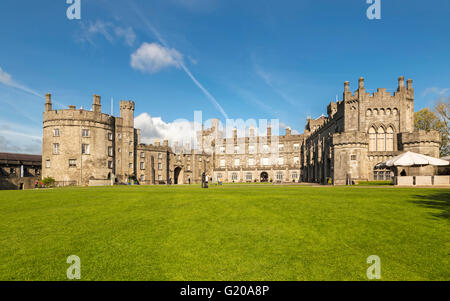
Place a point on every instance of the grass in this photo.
(374, 183)
(226, 232)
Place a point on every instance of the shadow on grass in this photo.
(436, 200)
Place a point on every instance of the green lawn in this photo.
(230, 232)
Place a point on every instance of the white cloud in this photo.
(108, 30)
(152, 57)
(152, 128)
(7, 80)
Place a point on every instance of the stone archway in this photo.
(264, 177)
(177, 176)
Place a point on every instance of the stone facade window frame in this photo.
(56, 132)
(72, 163)
(110, 136)
(47, 164)
(110, 151)
(55, 148)
(85, 133)
(85, 149)
(142, 165)
(110, 164)
(279, 176)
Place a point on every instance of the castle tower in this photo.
(127, 112)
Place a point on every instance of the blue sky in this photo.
(254, 59)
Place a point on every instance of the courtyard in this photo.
(229, 232)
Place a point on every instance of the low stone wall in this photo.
(422, 181)
(100, 183)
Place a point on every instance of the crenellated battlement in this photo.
(73, 114)
(127, 105)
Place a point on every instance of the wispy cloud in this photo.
(108, 30)
(183, 66)
(7, 80)
(15, 137)
(436, 91)
(152, 57)
(270, 81)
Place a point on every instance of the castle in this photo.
(92, 148)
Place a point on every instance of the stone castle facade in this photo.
(92, 148)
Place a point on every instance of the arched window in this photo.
(372, 140)
(390, 139)
(381, 140)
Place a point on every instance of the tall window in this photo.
(222, 163)
(390, 139)
(47, 164)
(55, 148)
(248, 177)
(294, 175)
(372, 140)
(251, 149)
(296, 160)
(142, 165)
(234, 176)
(236, 162)
(280, 161)
(110, 136)
(251, 162)
(56, 133)
(159, 166)
(265, 161)
(381, 140)
(279, 176)
(85, 149)
(110, 151)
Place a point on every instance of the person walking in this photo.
(206, 181)
(203, 180)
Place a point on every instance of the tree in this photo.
(442, 108)
(428, 120)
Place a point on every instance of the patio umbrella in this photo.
(412, 159)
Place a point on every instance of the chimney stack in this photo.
(252, 131)
(288, 131)
(361, 83)
(269, 131)
(401, 83)
(347, 86)
(97, 107)
(48, 102)
(166, 143)
(409, 84)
